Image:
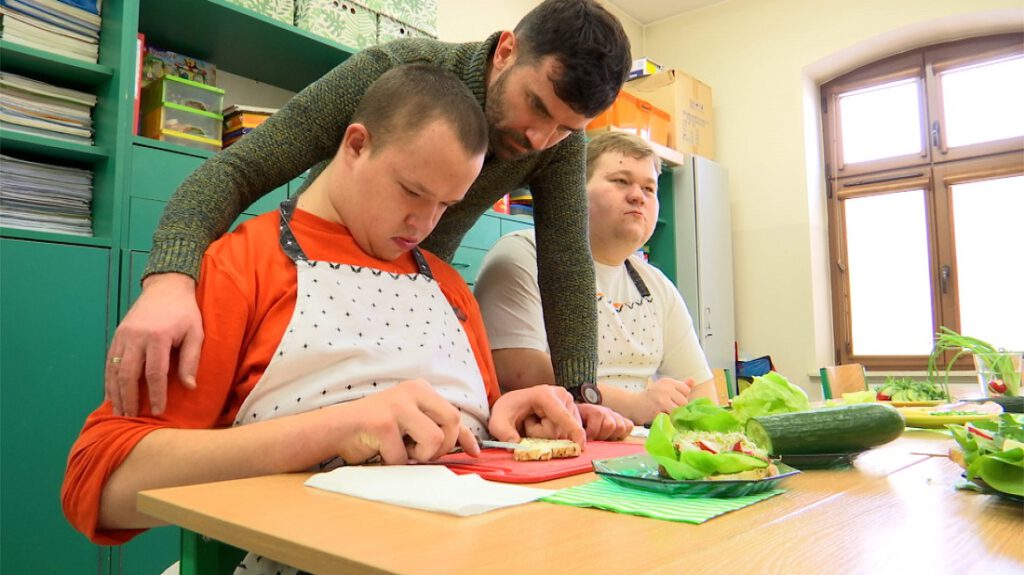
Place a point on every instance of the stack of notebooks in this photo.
(44, 197)
(239, 120)
(67, 27)
(520, 203)
(41, 109)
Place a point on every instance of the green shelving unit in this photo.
(62, 296)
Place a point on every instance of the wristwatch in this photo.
(586, 393)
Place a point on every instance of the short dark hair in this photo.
(406, 98)
(588, 43)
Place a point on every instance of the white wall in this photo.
(474, 20)
(764, 61)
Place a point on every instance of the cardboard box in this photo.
(419, 14)
(688, 101)
(348, 23)
(643, 67)
(280, 10)
(389, 29)
(158, 63)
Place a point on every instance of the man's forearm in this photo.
(519, 368)
(171, 457)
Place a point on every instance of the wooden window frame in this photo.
(935, 170)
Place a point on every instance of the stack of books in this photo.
(239, 120)
(520, 203)
(43, 197)
(33, 107)
(67, 27)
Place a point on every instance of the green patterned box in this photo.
(389, 29)
(342, 21)
(420, 14)
(281, 10)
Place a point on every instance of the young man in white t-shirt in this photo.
(650, 360)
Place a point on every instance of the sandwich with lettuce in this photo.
(702, 441)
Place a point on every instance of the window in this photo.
(925, 167)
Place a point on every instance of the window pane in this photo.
(881, 122)
(887, 260)
(983, 103)
(990, 259)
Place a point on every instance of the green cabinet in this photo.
(52, 347)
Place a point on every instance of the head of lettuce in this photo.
(702, 441)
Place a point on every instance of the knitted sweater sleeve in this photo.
(565, 270)
(305, 132)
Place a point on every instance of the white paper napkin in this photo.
(428, 487)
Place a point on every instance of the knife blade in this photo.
(487, 443)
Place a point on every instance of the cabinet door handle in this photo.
(707, 324)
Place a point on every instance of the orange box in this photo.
(688, 101)
(637, 116)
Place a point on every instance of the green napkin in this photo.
(604, 494)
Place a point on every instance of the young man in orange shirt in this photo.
(330, 337)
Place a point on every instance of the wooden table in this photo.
(895, 511)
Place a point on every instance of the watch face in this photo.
(590, 394)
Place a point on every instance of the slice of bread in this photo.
(531, 449)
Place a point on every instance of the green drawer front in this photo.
(144, 216)
(269, 202)
(513, 225)
(483, 234)
(156, 174)
(467, 261)
(137, 263)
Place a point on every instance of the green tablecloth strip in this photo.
(604, 494)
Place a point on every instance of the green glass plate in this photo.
(641, 472)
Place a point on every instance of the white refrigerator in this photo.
(703, 238)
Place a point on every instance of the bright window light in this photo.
(881, 122)
(990, 259)
(983, 103)
(887, 262)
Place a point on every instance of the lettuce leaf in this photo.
(691, 465)
(999, 461)
(769, 394)
(702, 414)
(860, 397)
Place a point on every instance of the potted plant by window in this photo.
(999, 370)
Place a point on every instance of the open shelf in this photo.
(41, 146)
(53, 68)
(240, 41)
(54, 237)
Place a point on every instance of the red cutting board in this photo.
(498, 465)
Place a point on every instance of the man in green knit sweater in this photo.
(538, 85)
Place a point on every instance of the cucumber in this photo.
(842, 429)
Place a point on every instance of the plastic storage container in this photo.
(184, 121)
(182, 92)
(631, 114)
(187, 140)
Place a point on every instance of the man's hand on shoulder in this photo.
(164, 317)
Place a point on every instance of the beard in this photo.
(502, 141)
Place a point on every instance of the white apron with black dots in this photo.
(356, 331)
(631, 339)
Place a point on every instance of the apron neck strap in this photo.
(637, 280)
(294, 251)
